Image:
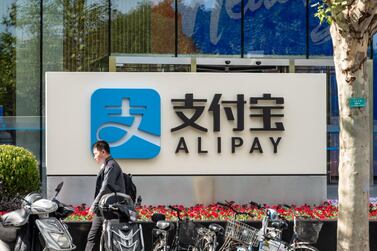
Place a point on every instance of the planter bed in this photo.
(326, 240)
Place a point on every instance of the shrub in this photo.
(19, 174)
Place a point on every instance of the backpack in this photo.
(130, 186)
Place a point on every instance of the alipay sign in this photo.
(188, 123)
(129, 120)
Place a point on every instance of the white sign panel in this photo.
(187, 123)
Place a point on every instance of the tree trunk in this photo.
(350, 56)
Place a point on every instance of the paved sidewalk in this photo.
(332, 191)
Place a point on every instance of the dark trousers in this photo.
(94, 232)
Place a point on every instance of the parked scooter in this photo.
(37, 225)
(120, 231)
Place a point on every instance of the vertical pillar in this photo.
(112, 64)
(204, 189)
(292, 68)
(193, 64)
(371, 112)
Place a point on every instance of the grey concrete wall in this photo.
(189, 190)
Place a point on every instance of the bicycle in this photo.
(184, 237)
(161, 232)
(238, 235)
(208, 237)
(305, 233)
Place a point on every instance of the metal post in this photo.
(112, 64)
(292, 67)
(370, 103)
(193, 64)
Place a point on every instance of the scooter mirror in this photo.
(158, 217)
(25, 201)
(58, 188)
(254, 204)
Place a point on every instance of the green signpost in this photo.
(357, 102)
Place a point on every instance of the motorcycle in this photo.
(37, 225)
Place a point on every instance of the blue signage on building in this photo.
(129, 120)
(270, 27)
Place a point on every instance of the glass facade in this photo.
(276, 29)
(80, 35)
(209, 27)
(375, 102)
(249, 28)
(20, 74)
(75, 35)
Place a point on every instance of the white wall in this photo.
(163, 190)
(302, 149)
(296, 174)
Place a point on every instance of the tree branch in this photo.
(355, 17)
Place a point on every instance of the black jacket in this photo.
(112, 174)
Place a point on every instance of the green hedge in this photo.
(19, 172)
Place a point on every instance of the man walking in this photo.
(110, 174)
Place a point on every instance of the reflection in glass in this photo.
(85, 35)
(332, 126)
(19, 73)
(8, 59)
(275, 28)
(153, 68)
(374, 46)
(75, 35)
(142, 26)
(209, 27)
(53, 33)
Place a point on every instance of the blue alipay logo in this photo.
(129, 120)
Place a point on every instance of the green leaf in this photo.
(323, 11)
(19, 171)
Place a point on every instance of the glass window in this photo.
(153, 68)
(209, 27)
(53, 35)
(85, 37)
(75, 35)
(374, 46)
(332, 127)
(20, 74)
(142, 26)
(275, 28)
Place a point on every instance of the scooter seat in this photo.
(216, 228)
(162, 224)
(15, 218)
